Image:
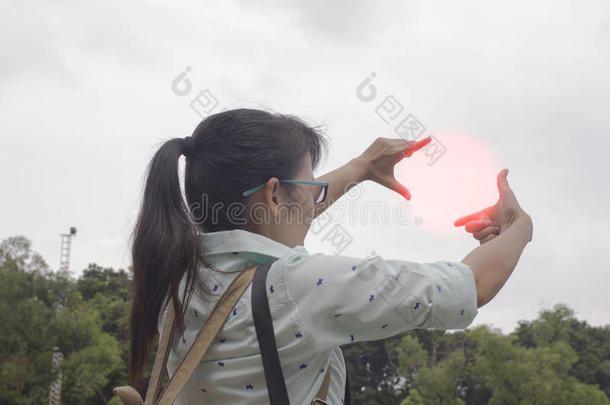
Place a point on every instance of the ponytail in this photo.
(165, 247)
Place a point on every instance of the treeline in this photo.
(555, 359)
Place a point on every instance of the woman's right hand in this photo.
(491, 221)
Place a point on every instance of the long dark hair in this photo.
(232, 151)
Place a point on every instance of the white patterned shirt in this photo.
(317, 302)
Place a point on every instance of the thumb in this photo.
(503, 186)
(399, 188)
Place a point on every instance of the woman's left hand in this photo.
(380, 158)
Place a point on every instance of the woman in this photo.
(240, 211)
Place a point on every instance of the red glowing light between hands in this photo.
(463, 180)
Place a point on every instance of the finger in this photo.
(477, 225)
(482, 234)
(410, 149)
(402, 145)
(398, 143)
(401, 142)
(502, 182)
(487, 239)
(399, 188)
(468, 218)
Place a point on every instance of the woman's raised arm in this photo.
(493, 262)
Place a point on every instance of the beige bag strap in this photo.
(130, 396)
(205, 337)
(196, 352)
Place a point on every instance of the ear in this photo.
(271, 194)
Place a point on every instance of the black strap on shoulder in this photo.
(276, 384)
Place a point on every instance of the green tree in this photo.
(372, 374)
(107, 292)
(489, 367)
(41, 309)
(591, 344)
(431, 382)
(88, 370)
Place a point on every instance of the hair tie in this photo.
(188, 146)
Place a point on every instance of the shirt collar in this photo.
(241, 243)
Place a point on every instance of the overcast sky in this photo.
(86, 99)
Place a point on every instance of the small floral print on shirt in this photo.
(416, 305)
(438, 287)
(462, 312)
(215, 288)
(449, 264)
(302, 366)
(298, 335)
(336, 315)
(384, 326)
(319, 282)
(204, 390)
(351, 338)
(249, 387)
(222, 340)
(221, 363)
(235, 311)
(271, 288)
(371, 297)
(353, 268)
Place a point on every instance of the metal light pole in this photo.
(64, 265)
